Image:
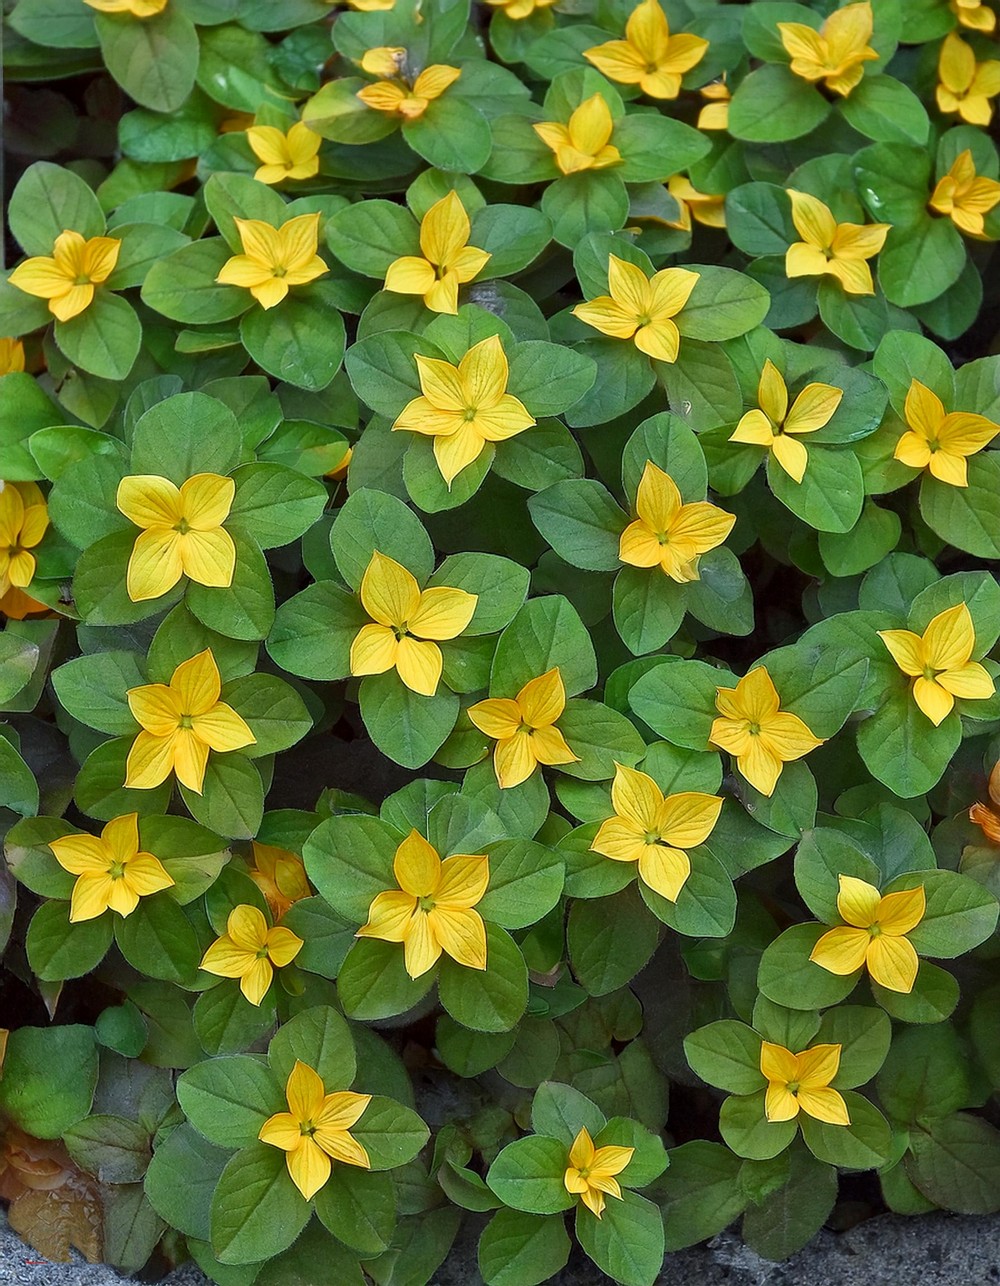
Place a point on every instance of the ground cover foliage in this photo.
(580, 410)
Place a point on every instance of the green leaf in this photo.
(320, 1038)
(967, 517)
(406, 726)
(50, 199)
(93, 689)
(391, 1134)
(955, 1162)
(887, 110)
(359, 1208)
(228, 1099)
(257, 1211)
(560, 1111)
(726, 1054)
(58, 949)
(788, 977)
(104, 339)
(920, 261)
(903, 749)
(700, 1193)
(578, 204)
(487, 1000)
(276, 504)
(864, 1144)
(549, 378)
(581, 521)
(372, 520)
(231, 802)
(831, 494)
(159, 941)
(746, 1129)
(772, 105)
(959, 915)
(50, 1074)
(526, 880)
(112, 1148)
(349, 860)
(182, 1178)
(528, 1176)
(225, 1022)
(722, 305)
(301, 341)
(518, 1249)
(155, 60)
(373, 982)
(545, 633)
(627, 1241)
(24, 408)
(610, 940)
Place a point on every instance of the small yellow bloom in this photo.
(448, 260)
(525, 728)
(641, 308)
(68, 278)
(518, 9)
(649, 56)
(274, 259)
(704, 207)
(181, 722)
(940, 662)
(591, 1171)
(249, 950)
(137, 8)
(966, 86)
(400, 96)
(433, 910)
(987, 816)
(938, 442)
(584, 143)
(715, 114)
(769, 424)
(873, 934)
(315, 1129)
(830, 248)
(113, 872)
(11, 355)
(280, 876)
(294, 155)
(835, 53)
(182, 532)
(964, 196)
(668, 533)
(24, 519)
(974, 14)
(654, 829)
(802, 1082)
(465, 406)
(761, 736)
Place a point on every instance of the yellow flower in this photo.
(770, 424)
(966, 86)
(761, 736)
(448, 259)
(433, 908)
(835, 53)
(802, 1082)
(24, 519)
(181, 722)
(705, 208)
(11, 355)
(584, 143)
(590, 1173)
(964, 196)
(641, 308)
(654, 829)
(715, 113)
(274, 258)
(316, 1128)
(975, 14)
(940, 442)
(830, 248)
(465, 406)
(668, 533)
(68, 278)
(649, 56)
(137, 8)
(940, 662)
(524, 728)
(518, 9)
(280, 876)
(401, 97)
(370, 6)
(873, 934)
(113, 872)
(249, 950)
(987, 816)
(182, 532)
(294, 155)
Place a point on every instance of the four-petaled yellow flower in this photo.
(280, 876)
(67, 278)
(704, 207)
(406, 623)
(591, 1171)
(641, 308)
(399, 96)
(433, 910)
(24, 519)
(873, 934)
(715, 113)
(835, 53)
(465, 406)
(974, 14)
(771, 421)
(655, 830)
(964, 196)
(801, 1082)
(182, 532)
(938, 442)
(448, 260)
(829, 248)
(112, 871)
(294, 155)
(585, 142)
(966, 86)
(315, 1129)
(667, 533)
(649, 56)
(940, 662)
(757, 732)
(518, 9)
(525, 728)
(137, 8)
(181, 722)
(274, 259)
(11, 355)
(249, 950)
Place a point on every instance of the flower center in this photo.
(793, 1087)
(753, 729)
(186, 721)
(400, 631)
(525, 728)
(183, 526)
(470, 414)
(307, 1129)
(425, 904)
(117, 870)
(875, 930)
(651, 837)
(279, 270)
(262, 952)
(82, 280)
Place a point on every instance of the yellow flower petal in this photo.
(460, 932)
(496, 716)
(419, 665)
(463, 880)
(841, 951)
(664, 869)
(825, 1104)
(309, 1167)
(421, 950)
(373, 650)
(636, 797)
(442, 613)
(857, 901)
(389, 916)
(150, 501)
(514, 760)
(542, 700)
(898, 913)
(155, 564)
(150, 761)
(893, 963)
(417, 866)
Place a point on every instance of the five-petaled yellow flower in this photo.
(137, 8)
(525, 728)
(315, 1129)
(465, 406)
(757, 732)
(181, 722)
(715, 113)
(67, 278)
(940, 662)
(402, 95)
(641, 308)
(801, 1082)
(649, 56)
(965, 85)
(294, 155)
(591, 1171)
(274, 259)
(974, 14)
(112, 871)
(938, 442)
(667, 533)
(182, 532)
(873, 934)
(448, 260)
(406, 623)
(655, 830)
(964, 196)
(585, 142)
(706, 208)
(11, 355)
(433, 910)
(24, 520)
(280, 876)
(249, 950)
(834, 54)
(771, 421)
(518, 9)
(829, 248)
